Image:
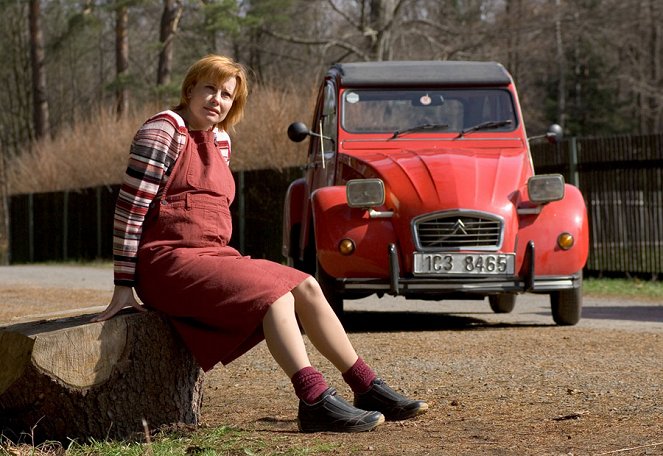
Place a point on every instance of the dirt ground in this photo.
(494, 388)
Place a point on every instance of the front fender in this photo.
(334, 221)
(566, 215)
(293, 208)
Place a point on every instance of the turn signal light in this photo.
(346, 247)
(565, 241)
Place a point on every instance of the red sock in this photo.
(359, 377)
(309, 384)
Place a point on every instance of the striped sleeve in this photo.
(223, 144)
(155, 148)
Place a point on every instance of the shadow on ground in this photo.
(364, 321)
(632, 313)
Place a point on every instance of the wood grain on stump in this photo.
(72, 379)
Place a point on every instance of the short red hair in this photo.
(218, 69)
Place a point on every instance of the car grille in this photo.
(457, 231)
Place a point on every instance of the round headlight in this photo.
(565, 241)
(346, 247)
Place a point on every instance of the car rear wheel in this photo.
(327, 284)
(502, 303)
(566, 306)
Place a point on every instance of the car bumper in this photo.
(396, 285)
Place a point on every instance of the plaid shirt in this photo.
(154, 150)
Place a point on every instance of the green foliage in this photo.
(201, 442)
(233, 18)
(222, 16)
(592, 102)
(629, 288)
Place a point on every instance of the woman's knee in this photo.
(308, 290)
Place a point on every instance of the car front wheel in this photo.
(566, 306)
(502, 303)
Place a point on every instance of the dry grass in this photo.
(94, 152)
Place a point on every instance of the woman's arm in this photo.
(155, 147)
(122, 297)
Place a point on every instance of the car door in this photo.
(322, 151)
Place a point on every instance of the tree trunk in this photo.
(380, 25)
(514, 13)
(654, 51)
(172, 11)
(121, 60)
(40, 102)
(561, 66)
(72, 379)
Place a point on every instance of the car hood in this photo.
(423, 181)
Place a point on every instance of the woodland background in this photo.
(81, 75)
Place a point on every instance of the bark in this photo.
(513, 18)
(71, 379)
(172, 11)
(40, 102)
(380, 25)
(121, 60)
(654, 50)
(561, 66)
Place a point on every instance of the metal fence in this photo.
(78, 225)
(621, 179)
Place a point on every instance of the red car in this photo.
(420, 183)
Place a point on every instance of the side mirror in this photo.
(554, 134)
(298, 131)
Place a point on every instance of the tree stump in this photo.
(72, 379)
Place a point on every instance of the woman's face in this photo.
(209, 103)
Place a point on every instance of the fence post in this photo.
(31, 227)
(573, 162)
(242, 212)
(65, 224)
(98, 195)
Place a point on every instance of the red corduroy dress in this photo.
(215, 297)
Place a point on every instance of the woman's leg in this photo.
(283, 336)
(322, 326)
(320, 409)
(326, 332)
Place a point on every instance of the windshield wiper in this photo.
(484, 126)
(397, 133)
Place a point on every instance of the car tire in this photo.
(327, 284)
(566, 306)
(502, 303)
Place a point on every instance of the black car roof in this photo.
(420, 73)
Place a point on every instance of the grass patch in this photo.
(200, 442)
(627, 288)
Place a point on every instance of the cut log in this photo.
(73, 379)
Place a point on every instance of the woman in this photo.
(171, 232)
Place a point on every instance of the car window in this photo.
(386, 111)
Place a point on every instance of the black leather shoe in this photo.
(395, 406)
(332, 413)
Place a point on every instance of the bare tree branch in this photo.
(319, 42)
(343, 15)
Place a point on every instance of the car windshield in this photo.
(401, 112)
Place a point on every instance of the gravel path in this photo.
(509, 384)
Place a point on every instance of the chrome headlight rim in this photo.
(365, 193)
(545, 188)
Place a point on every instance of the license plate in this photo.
(463, 263)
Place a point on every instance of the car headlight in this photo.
(365, 193)
(545, 188)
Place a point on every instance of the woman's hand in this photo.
(122, 297)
